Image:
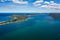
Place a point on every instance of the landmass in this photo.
(16, 18)
(55, 15)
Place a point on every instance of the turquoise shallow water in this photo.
(38, 27)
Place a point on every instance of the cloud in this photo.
(47, 5)
(52, 5)
(20, 1)
(44, 6)
(38, 3)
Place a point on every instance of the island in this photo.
(15, 18)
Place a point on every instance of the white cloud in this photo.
(20, 1)
(56, 7)
(46, 2)
(51, 2)
(53, 5)
(48, 5)
(38, 3)
(44, 6)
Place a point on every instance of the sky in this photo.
(29, 6)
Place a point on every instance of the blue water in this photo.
(38, 27)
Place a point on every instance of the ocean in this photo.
(38, 27)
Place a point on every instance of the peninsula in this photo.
(15, 18)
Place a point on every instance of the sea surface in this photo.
(40, 26)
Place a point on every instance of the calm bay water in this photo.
(38, 27)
